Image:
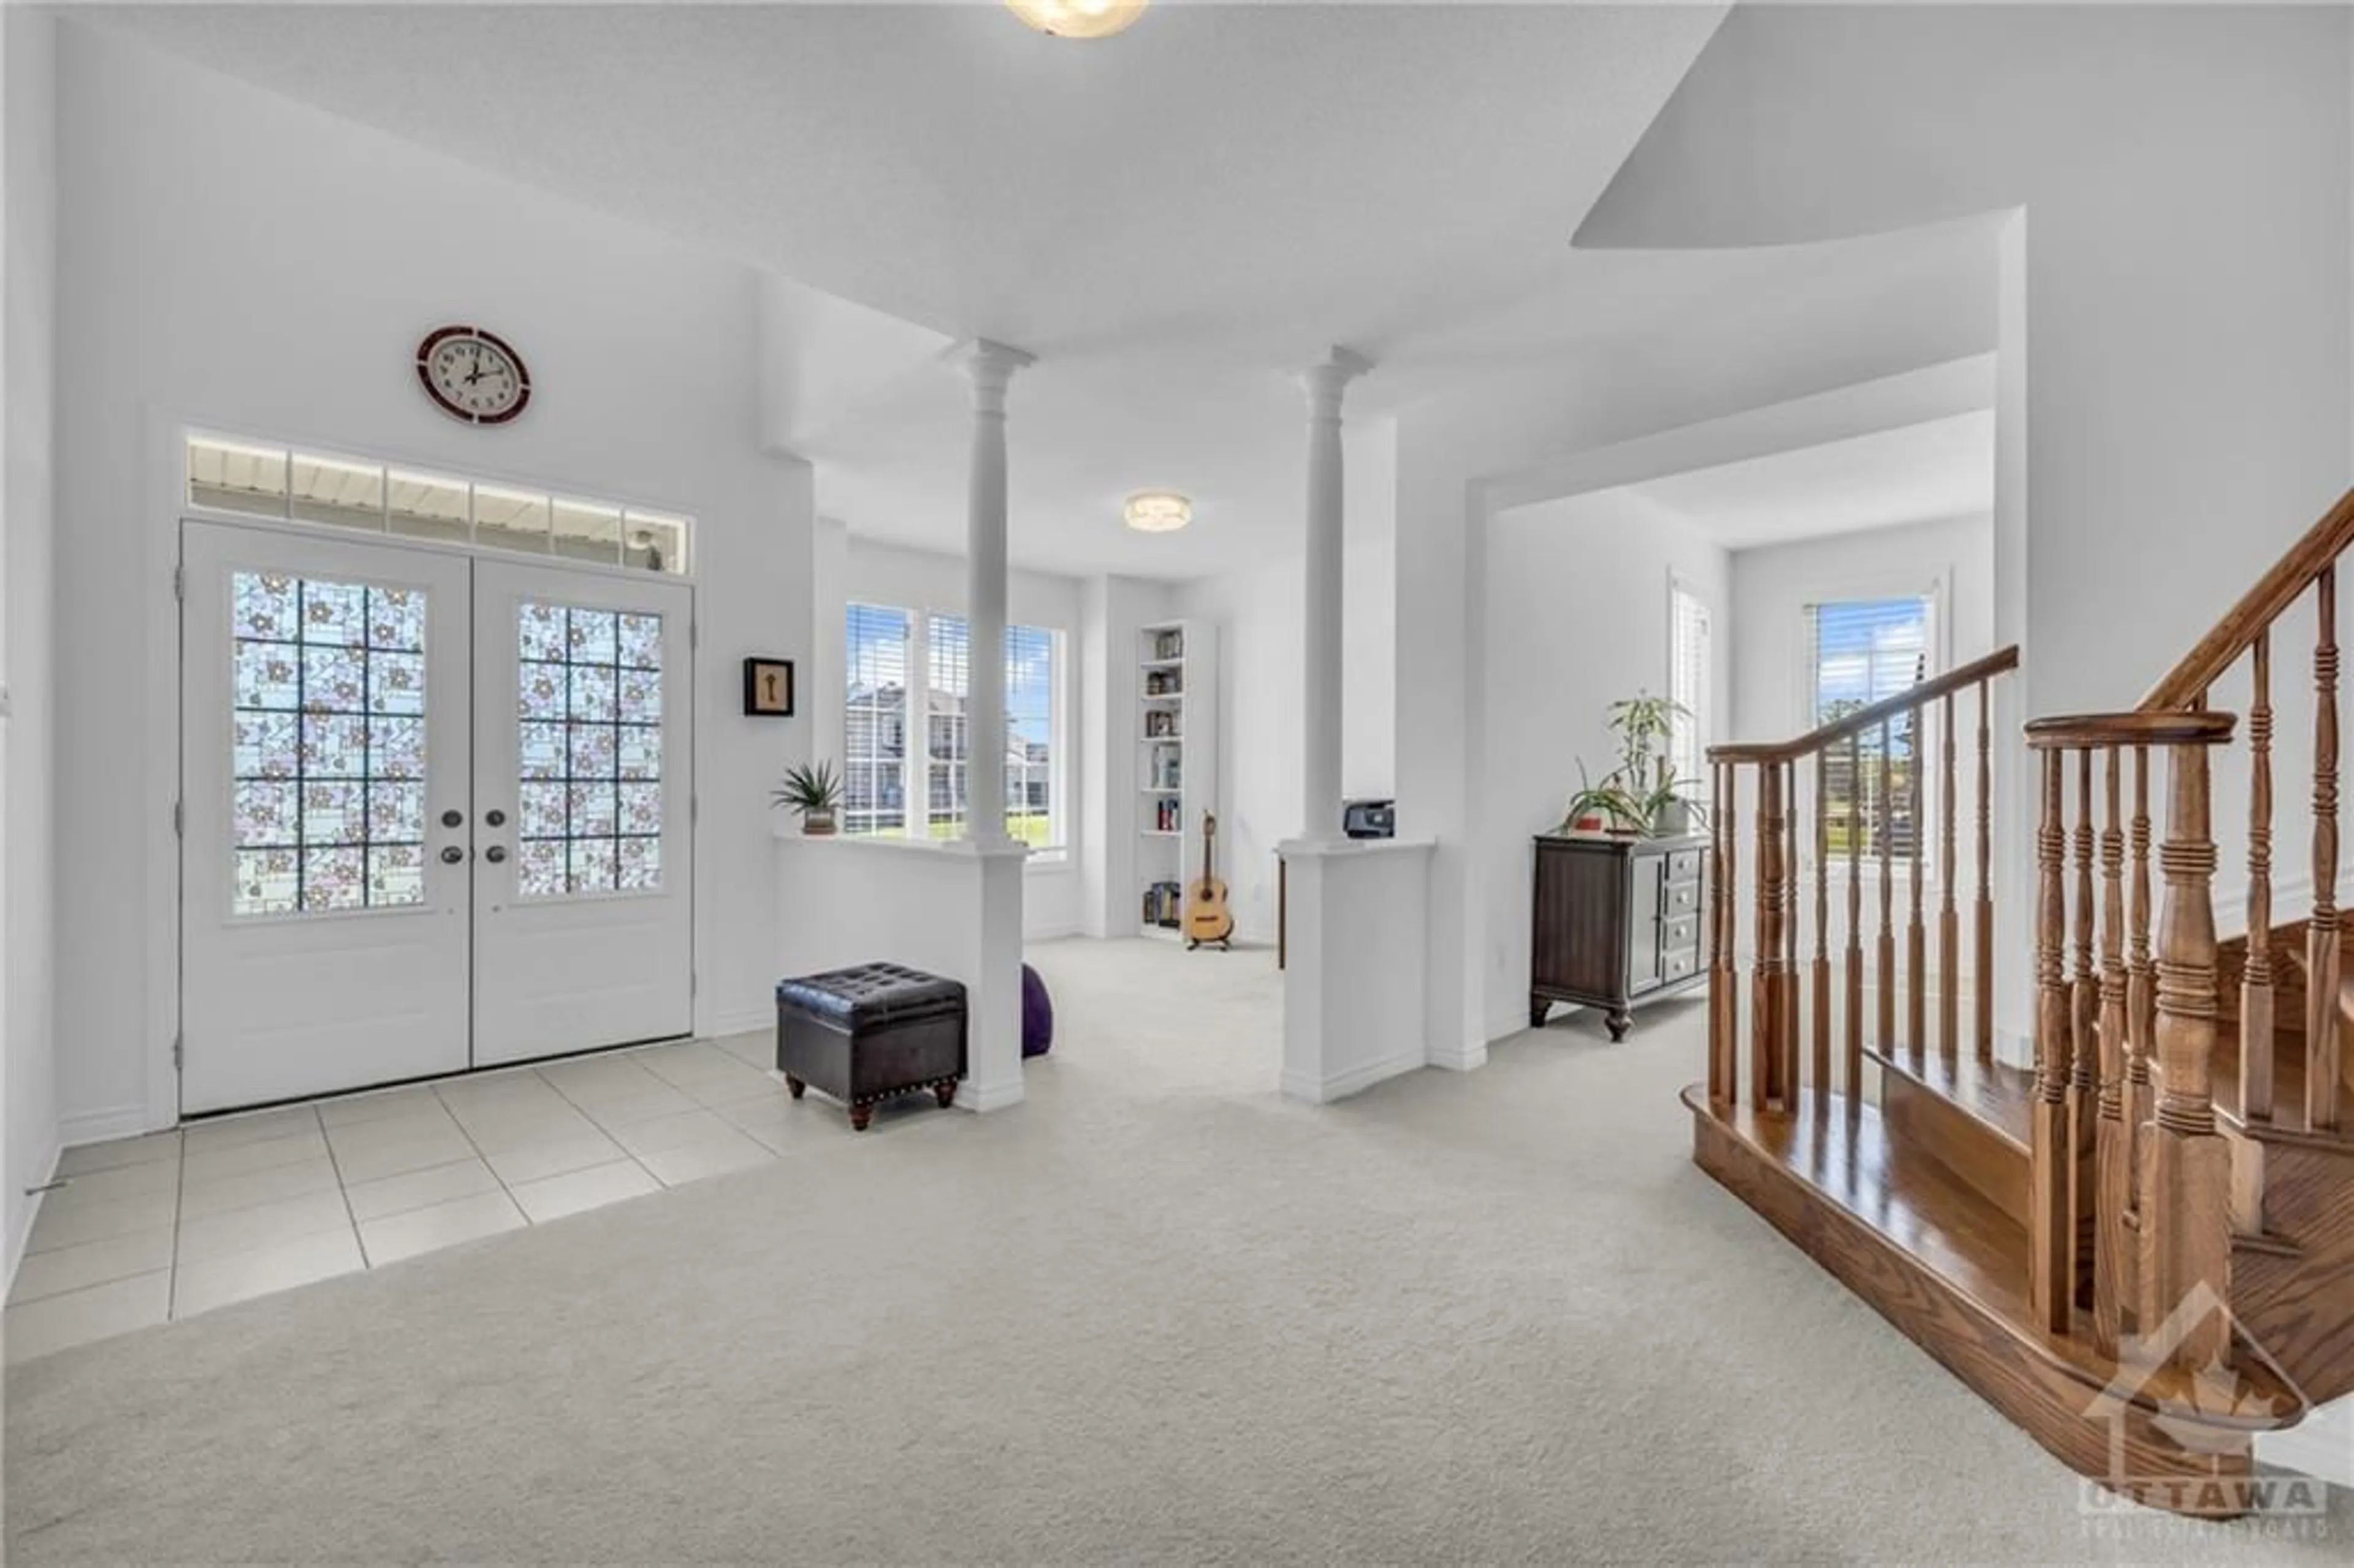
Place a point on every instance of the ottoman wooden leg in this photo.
(859, 1117)
(945, 1093)
(794, 1087)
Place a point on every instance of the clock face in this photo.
(473, 375)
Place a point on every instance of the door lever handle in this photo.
(495, 854)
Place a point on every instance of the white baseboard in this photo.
(23, 1234)
(1356, 1080)
(742, 1022)
(1055, 933)
(1459, 1058)
(973, 1095)
(99, 1125)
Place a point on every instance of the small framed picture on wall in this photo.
(769, 688)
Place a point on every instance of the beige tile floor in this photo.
(165, 1226)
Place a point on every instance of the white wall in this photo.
(1262, 676)
(1578, 616)
(27, 345)
(2175, 311)
(1113, 610)
(1773, 584)
(1261, 672)
(241, 262)
(1369, 611)
(878, 573)
(1817, 370)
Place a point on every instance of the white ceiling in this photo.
(1910, 474)
(1173, 219)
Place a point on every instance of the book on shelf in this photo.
(1163, 901)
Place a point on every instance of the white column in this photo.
(1321, 728)
(991, 366)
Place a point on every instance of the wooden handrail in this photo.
(2261, 606)
(1995, 664)
(2095, 732)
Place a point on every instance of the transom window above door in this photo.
(263, 480)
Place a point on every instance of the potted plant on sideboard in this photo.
(1642, 794)
(815, 791)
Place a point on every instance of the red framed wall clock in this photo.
(473, 375)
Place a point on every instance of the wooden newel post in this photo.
(2186, 1175)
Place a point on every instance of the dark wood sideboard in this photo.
(1617, 922)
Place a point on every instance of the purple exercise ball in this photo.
(1037, 1014)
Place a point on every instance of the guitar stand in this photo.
(1224, 945)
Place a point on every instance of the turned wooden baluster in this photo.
(1767, 1089)
(1982, 1025)
(2141, 986)
(2111, 1240)
(2186, 1236)
(1916, 996)
(1853, 1075)
(2321, 1001)
(1822, 977)
(1885, 795)
(2050, 1228)
(1949, 920)
(2083, 1044)
(1719, 1091)
(1790, 933)
(2256, 1045)
(1728, 1003)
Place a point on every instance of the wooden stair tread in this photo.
(2288, 1122)
(2001, 1097)
(1839, 1151)
(1842, 1151)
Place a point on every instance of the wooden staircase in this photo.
(2141, 1249)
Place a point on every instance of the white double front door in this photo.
(436, 813)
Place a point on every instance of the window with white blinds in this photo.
(1688, 664)
(881, 771)
(947, 750)
(874, 721)
(1030, 736)
(1858, 652)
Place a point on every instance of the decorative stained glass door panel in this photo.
(584, 907)
(324, 740)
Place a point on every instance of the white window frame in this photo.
(908, 695)
(387, 471)
(916, 785)
(1939, 644)
(1701, 727)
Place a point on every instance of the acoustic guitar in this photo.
(1207, 918)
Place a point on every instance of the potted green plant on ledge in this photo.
(1642, 794)
(815, 793)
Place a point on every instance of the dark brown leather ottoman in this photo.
(864, 1035)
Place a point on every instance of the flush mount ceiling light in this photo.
(1157, 512)
(1078, 18)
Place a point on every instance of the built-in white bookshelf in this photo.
(1176, 698)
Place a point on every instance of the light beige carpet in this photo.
(1153, 1314)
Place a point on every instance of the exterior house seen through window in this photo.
(883, 771)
